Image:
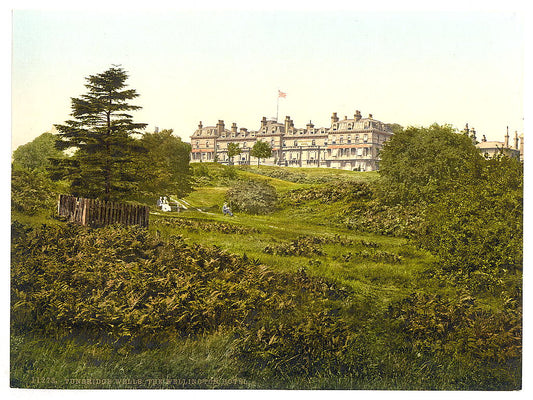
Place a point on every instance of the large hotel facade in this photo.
(349, 143)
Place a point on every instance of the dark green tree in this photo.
(36, 154)
(101, 137)
(164, 168)
(233, 150)
(419, 164)
(261, 150)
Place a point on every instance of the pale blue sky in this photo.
(413, 68)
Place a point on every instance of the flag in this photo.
(282, 94)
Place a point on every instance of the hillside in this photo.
(308, 296)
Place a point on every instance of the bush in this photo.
(478, 226)
(31, 191)
(252, 197)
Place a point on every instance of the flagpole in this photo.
(277, 107)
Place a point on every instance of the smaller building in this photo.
(493, 148)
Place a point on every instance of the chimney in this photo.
(310, 125)
(200, 126)
(234, 127)
(357, 115)
(334, 118)
(263, 122)
(220, 126)
(467, 130)
(370, 116)
(473, 134)
(516, 140)
(507, 138)
(287, 123)
(484, 138)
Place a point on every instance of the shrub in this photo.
(31, 191)
(252, 197)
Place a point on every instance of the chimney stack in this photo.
(507, 138)
(263, 122)
(357, 115)
(334, 118)
(516, 140)
(200, 126)
(287, 123)
(220, 126)
(234, 127)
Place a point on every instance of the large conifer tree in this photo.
(101, 136)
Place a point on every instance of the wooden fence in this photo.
(100, 213)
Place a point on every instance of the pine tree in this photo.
(101, 137)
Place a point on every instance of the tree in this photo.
(261, 150)
(101, 136)
(419, 164)
(164, 167)
(233, 150)
(36, 154)
(478, 226)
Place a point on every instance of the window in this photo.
(365, 138)
(313, 142)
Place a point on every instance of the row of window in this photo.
(295, 142)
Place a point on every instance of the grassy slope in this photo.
(378, 280)
(376, 284)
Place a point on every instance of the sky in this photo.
(412, 67)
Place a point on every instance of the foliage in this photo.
(418, 164)
(261, 150)
(164, 167)
(328, 193)
(252, 197)
(101, 136)
(433, 326)
(205, 174)
(303, 246)
(374, 216)
(371, 255)
(479, 226)
(32, 191)
(131, 287)
(233, 150)
(36, 154)
(203, 226)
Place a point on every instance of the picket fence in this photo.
(96, 213)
